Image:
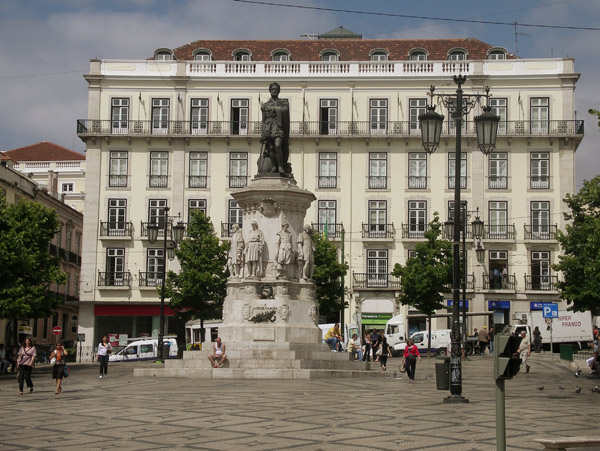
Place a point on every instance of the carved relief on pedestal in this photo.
(249, 289)
(314, 314)
(269, 208)
(283, 290)
(284, 312)
(226, 310)
(246, 311)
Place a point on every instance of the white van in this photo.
(144, 350)
(439, 342)
(395, 333)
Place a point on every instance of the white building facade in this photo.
(182, 130)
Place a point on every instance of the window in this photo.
(498, 220)
(159, 166)
(497, 267)
(198, 170)
(540, 270)
(281, 55)
(327, 216)
(416, 108)
(417, 218)
(238, 169)
(498, 177)
(540, 220)
(160, 116)
(196, 204)
(155, 265)
(377, 267)
(78, 243)
(76, 283)
(327, 169)
(499, 108)
(163, 55)
(239, 116)
(241, 55)
(417, 170)
(417, 55)
(69, 238)
(199, 116)
(457, 55)
(115, 267)
(539, 113)
(117, 175)
(59, 238)
(497, 55)
(379, 55)
(202, 55)
(234, 214)
(67, 187)
(540, 170)
(377, 170)
(117, 216)
(330, 55)
(156, 214)
(377, 218)
(452, 170)
(378, 113)
(120, 115)
(328, 116)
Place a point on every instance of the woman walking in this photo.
(25, 359)
(367, 353)
(411, 354)
(58, 370)
(385, 352)
(537, 339)
(104, 350)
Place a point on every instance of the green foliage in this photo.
(427, 275)
(328, 276)
(200, 288)
(26, 268)
(595, 113)
(580, 264)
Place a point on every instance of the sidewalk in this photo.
(384, 414)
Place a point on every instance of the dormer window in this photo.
(417, 55)
(457, 55)
(163, 55)
(280, 55)
(202, 55)
(242, 55)
(496, 54)
(379, 55)
(330, 55)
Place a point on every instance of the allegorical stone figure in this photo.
(306, 253)
(275, 134)
(285, 249)
(235, 261)
(254, 248)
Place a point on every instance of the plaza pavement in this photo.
(123, 412)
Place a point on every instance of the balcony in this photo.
(197, 181)
(401, 129)
(414, 231)
(539, 182)
(541, 283)
(378, 182)
(116, 229)
(379, 281)
(121, 279)
(334, 230)
(238, 181)
(161, 228)
(150, 279)
(378, 231)
(470, 283)
(327, 182)
(117, 181)
(417, 182)
(499, 232)
(158, 181)
(492, 282)
(73, 258)
(498, 182)
(540, 232)
(451, 182)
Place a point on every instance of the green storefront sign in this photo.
(375, 319)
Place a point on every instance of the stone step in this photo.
(274, 363)
(315, 354)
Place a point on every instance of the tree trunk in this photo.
(429, 337)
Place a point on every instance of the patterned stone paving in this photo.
(123, 412)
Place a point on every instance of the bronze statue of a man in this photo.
(275, 134)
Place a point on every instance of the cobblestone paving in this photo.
(123, 412)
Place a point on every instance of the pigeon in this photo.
(577, 371)
(596, 389)
(540, 388)
(577, 389)
(560, 387)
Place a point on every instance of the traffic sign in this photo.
(550, 310)
(57, 330)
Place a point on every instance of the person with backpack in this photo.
(411, 354)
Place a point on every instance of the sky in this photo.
(46, 45)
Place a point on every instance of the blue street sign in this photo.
(498, 305)
(550, 310)
(460, 303)
(536, 305)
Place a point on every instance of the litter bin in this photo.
(166, 349)
(442, 373)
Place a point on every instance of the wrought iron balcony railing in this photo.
(540, 232)
(375, 280)
(541, 283)
(150, 279)
(414, 230)
(497, 182)
(197, 181)
(158, 181)
(378, 230)
(470, 283)
(114, 279)
(329, 181)
(161, 228)
(499, 232)
(124, 229)
(117, 181)
(417, 182)
(330, 231)
(499, 282)
(238, 181)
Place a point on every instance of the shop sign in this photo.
(498, 305)
(460, 303)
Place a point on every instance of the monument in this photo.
(270, 313)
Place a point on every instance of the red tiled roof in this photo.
(349, 49)
(44, 151)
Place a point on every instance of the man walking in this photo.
(524, 350)
(484, 340)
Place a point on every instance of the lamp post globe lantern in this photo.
(178, 231)
(152, 230)
(431, 129)
(486, 125)
(449, 226)
(480, 253)
(477, 226)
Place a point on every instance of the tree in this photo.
(580, 243)
(428, 274)
(595, 113)
(328, 275)
(26, 268)
(199, 289)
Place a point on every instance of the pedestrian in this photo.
(3, 361)
(104, 350)
(375, 344)
(411, 354)
(59, 357)
(491, 340)
(11, 356)
(367, 353)
(593, 361)
(524, 350)
(537, 340)
(484, 340)
(25, 360)
(385, 353)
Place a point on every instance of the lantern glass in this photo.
(178, 232)
(480, 252)
(486, 126)
(171, 250)
(152, 232)
(477, 226)
(449, 224)
(431, 129)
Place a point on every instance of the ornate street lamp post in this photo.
(177, 232)
(459, 105)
